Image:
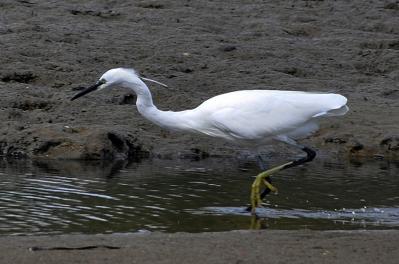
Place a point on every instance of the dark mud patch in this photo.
(200, 49)
(29, 105)
(390, 143)
(102, 14)
(20, 77)
(151, 5)
(378, 45)
(45, 146)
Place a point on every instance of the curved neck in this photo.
(167, 119)
(144, 97)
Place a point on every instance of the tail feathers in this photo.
(339, 111)
(334, 112)
(337, 106)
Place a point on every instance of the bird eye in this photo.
(102, 81)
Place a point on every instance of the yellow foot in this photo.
(260, 181)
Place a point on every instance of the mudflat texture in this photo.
(52, 49)
(230, 247)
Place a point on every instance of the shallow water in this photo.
(192, 196)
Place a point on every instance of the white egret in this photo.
(251, 117)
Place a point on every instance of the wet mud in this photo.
(50, 50)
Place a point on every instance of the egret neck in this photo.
(167, 119)
(255, 116)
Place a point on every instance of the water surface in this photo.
(192, 196)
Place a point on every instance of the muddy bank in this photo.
(229, 247)
(50, 50)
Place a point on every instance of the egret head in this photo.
(116, 77)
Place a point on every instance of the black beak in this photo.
(87, 90)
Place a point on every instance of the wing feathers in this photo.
(254, 114)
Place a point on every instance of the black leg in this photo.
(310, 155)
(261, 162)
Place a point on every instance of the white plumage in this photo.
(259, 115)
(252, 117)
(248, 116)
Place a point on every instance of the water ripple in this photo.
(174, 196)
(378, 216)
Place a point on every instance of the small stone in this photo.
(391, 143)
(335, 140)
(187, 70)
(393, 6)
(228, 48)
(356, 147)
(129, 99)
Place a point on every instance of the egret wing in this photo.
(255, 114)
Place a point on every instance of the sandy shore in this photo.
(224, 247)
